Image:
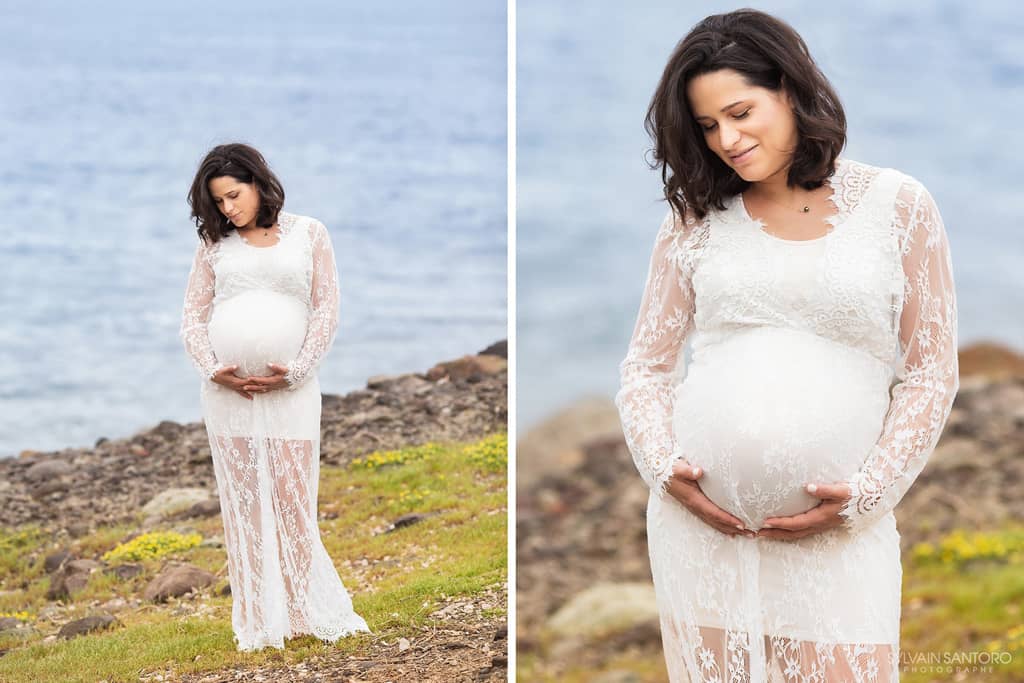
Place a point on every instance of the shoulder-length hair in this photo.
(245, 164)
(768, 53)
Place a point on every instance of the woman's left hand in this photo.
(261, 385)
(822, 517)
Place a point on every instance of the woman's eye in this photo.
(715, 125)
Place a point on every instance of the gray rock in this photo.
(53, 561)
(71, 578)
(174, 500)
(407, 520)
(49, 486)
(48, 469)
(605, 608)
(125, 571)
(176, 579)
(85, 625)
(556, 445)
(114, 605)
(497, 349)
(206, 508)
(78, 529)
(9, 623)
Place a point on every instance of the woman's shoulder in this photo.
(901, 179)
(302, 224)
(287, 219)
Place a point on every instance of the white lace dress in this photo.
(249, 306)
(828, 360)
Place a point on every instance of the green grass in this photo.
(397, 579)
(965, 595)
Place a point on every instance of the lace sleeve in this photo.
(928, 375)
(323, 319)
(196, 313)
(648, 373)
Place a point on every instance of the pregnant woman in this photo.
(817, 294)
(261, 310)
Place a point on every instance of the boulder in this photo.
(9, 623)
(85, 625)
(71, 578)
(556, 445)
(176, 579)
(468, 367)
(125, 571)
(499, 348)
(173, 500)
(48, 469)
(54, 561)
(605, 608)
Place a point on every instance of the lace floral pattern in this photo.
(830, 360)
(250, 306)
(928, 368)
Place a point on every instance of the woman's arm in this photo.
(929, 369)
(648, 372)
(323, 321)
(196, 314)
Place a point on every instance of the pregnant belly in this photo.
(255, 328)
(769, 410)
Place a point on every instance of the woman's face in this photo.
(237, 200)
(737, 117)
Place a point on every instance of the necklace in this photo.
(806, 208)
(242, 232)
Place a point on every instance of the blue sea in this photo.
(387, 121)
(932, 88)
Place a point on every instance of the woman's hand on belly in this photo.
(261, 385)
(682, 486)
(226, 377)
(822, 517)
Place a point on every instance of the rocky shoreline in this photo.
(581, 506)
(75, 490)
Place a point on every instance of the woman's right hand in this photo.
(682, 486)
(226, 378)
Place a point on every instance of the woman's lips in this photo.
(745, 157)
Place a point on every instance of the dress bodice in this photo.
(285, 267)
(845, 286)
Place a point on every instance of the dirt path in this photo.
(462, 644)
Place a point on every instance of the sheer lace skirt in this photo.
(821, 609)
(266, 458)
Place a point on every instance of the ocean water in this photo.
(931, 88)
(387, 121)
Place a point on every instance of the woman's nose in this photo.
(728, 137)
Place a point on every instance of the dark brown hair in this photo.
(245, 164)
(768, 53)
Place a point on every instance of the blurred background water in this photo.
(934, 89)
(387, 121)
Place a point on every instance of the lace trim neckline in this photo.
(736, 211)
(285, 221)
